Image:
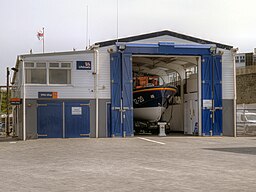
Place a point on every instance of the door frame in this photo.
(170, 49)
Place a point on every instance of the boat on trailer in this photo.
(150, 102)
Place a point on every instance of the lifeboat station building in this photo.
(90, 93)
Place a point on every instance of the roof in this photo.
(56, 53)
(161, 33)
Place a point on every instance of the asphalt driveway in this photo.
(129, 164)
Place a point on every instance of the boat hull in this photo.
(150, 103)
(151, 114)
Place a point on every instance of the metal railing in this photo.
(246, 120)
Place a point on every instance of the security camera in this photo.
(121, 47)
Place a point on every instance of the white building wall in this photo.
(227, 66)
(165, 38)
(104, 74)
(82, 81)
(228, 76)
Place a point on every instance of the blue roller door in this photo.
(49, 120)
(77, 119)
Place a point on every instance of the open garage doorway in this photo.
(192, 63)
(178, 107)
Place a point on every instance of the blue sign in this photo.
(48, 95)
(83, 65)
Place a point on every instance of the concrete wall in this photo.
(228, 117)
(31, 119)
(103, 117)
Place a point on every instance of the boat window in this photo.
(251, 117)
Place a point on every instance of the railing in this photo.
(246, 120)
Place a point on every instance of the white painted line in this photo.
(151, 140)
(12, 142)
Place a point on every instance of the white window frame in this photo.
(35, 67)
(47, 67)
(60, 68)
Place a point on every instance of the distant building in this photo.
(245, 59)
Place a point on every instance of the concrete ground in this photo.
(129, 164)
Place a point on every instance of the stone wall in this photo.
(246, 85)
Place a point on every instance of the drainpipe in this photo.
(96, 72)
(24, 101)
(234, 50)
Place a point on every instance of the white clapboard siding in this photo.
(104, 75)
(165, 38)
(228, 76)
(82, 81)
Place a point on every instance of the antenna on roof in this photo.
(87, 15)
(117, 12)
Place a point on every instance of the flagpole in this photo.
(87, 25)
(117, 21)
(43, 39)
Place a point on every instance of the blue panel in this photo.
(206, 77)
(206, 122)
(77, 119)
(127, 94)
(217, 127)
(49, 120)
(217, 81)
(206, 93)
(115, 72)
(109, 134)
(167, 49)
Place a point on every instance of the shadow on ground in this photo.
(241, 150)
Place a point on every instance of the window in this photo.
(29, 65)
(57, 73)
(65, 65)
(237, 59)
(54, 64)
(35, 75)
(242, 59)
(43, 65)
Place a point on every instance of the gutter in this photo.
(235, 96)
(96, 73)
(24, 101)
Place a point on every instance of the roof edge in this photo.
(161, 33)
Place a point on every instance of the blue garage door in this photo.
(127, 97)
(212, 95)
(121, 95)
(77, 119)
(116, 125)
(58, 119)
(49, 119)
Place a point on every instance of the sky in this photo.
(230, 22)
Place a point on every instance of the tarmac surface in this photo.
(129, 164)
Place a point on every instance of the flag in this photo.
(40, 35)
